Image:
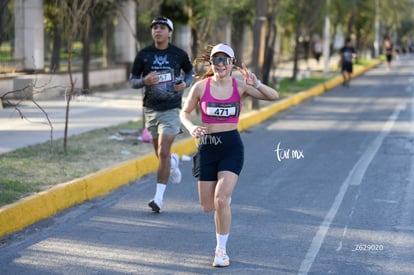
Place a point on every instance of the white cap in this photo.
(164, 21)
(222, 48)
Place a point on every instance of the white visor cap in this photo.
(222, 48)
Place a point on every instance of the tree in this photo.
(53, 29)
(209, 20)
(86, 54)
(73, 16)
(99, 27)
(303, 25)
(5, 17)
(396, 17)
(17, 103)
(271, 34)
(358, 16)
(258, 42)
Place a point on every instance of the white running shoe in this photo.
(221, 259)
(175, 173)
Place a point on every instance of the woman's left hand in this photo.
(249, 77)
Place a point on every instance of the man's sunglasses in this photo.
(220, 59)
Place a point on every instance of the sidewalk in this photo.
(98, 110)
(285, 69)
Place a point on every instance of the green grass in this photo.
(11, 190)
(362, 62)
(288, 87)
(5, 55)
(35, 168)
(5, 52)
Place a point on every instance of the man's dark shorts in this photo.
(347, 67)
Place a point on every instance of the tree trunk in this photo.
(258, 43)
(68, 95)
(296, 56)
(270, 46)
(57, 42)
(86, 58)
(194, 48)
(350, 24)
(3, 7)
(108, 47)
(237, 37)
(331, 44)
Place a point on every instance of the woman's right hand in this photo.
(198, 131)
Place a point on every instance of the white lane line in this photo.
(354, 178)
(361, 166)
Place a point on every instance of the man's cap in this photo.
(222, 48)
(164, 21)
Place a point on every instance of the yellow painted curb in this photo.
(27, 211)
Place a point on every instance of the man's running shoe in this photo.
(221, 259)
(155, 205)
(175, 173)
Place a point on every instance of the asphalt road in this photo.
(327, 188)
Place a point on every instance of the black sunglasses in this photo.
(220, 59)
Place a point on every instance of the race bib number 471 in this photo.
(223, 110)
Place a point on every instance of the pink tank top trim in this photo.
(215, 110)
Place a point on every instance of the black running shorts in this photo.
(222, 151)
